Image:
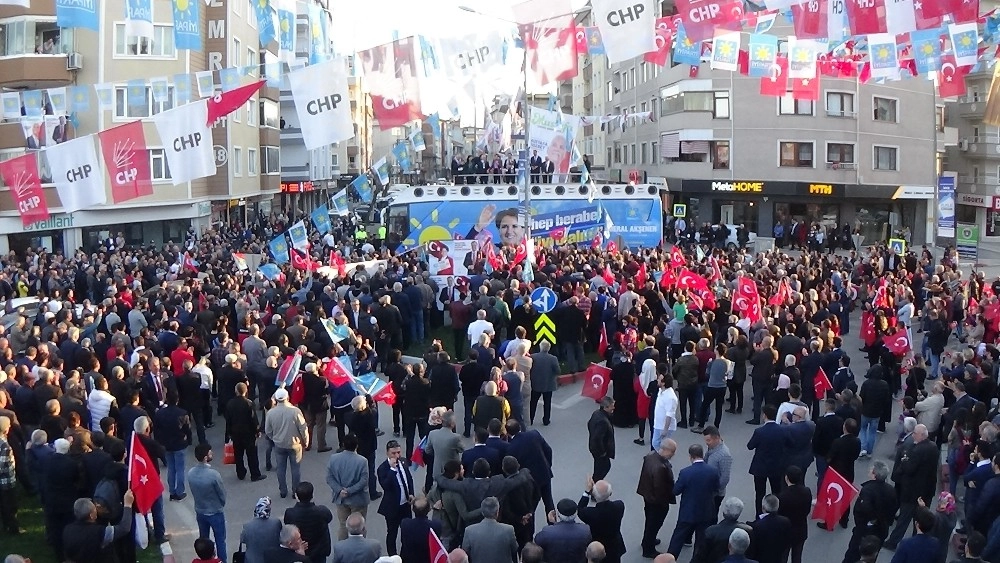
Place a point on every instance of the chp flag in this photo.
(628, 27)
(834, 498)
(21, 176)
(187, 141)
(126, 159)
(76, 172)
(322, 103)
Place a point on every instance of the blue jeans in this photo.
(159, 524)
(175, 472)
(935, 366)
(283, 457)
(658, 436)
(417, 325)
(869, 426)
(217, 523)
(953, 475)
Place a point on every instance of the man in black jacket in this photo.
(602, 438)
(362, 420)
(917, 480)
(874, 510)
(714, 544)
(316, 408)
(828, 428)
(192, 400)
(875, 399)
(243, 427)
(172, 429)
(313, 521)
(444, 382)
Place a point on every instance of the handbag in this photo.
(239, 556)
(229, 454)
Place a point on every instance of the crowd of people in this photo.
(155, 347)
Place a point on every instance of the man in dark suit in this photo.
(715, 541)
(494, 440)
(548, 168)
(481, 451)
(810, 365)
(535, 165)
(413, 533)
(544, 372)
(799, 435)
(696, 485)
(739, 544)
(795, 503)
(359, 320)
(769, 443)
(397, 486)
(313, 521)
(243, 427)
(828, 428)
(564, 539)
(917, 480)
(874, 510)
(490, 541)
(770, 540)
(844, 452)
(976, 476)
(290, 550)
(533, 453)
(602, 438)
(604, 518)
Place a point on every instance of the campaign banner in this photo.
(187, 24)
(76, 172)
(471, 55)
(322, 103)
(628, 27)
(552, 134)
(287, 30)
(391, 73)
(21, 176)
(127, 161)
(77, 13)
(139, 18)
(187, 141)
(946, 207)
(568, 226)
(451, 257)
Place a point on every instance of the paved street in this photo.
(568, 438)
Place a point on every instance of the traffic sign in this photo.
(545, 329)
(898, 244)
(680, 210)
(544, 299)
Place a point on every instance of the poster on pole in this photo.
(946, 207)
(447, 258)
(552, 134)
(967, 241)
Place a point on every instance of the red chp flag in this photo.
(596, 382)
(21, 176)
(552, 50)
(809, 20)
(127, 161)
(834, 498)
(821, 384)
(898, 343)
(143, 478)
(222, 104)
(664, 40)
(701, 17)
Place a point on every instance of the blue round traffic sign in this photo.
(544, 299)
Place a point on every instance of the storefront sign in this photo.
(967, 241)
(55, 222)
(820, 189)
(914, 192)
(745, 187)
(946, 207)
(203, 209)
(296, 187)
(987, 201)
(758, 187)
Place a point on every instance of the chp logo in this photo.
(23, 185)
(326, 103)
(625, 15)
(79, 173)
(122, 156)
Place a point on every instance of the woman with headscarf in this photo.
(260, 534)
(647, 374)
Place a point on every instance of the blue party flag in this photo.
(321, 219)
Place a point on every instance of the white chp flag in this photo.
(628, 27)
(187, 141)
(900, 16)
(76, 172)
(322, 103)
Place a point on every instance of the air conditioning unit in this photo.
(963, 145)
(74, 61)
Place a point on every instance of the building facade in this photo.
(861, 155)
(38, 54)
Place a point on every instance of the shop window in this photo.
(884, 109)
(787, 105)
(826, 215)
(965, 214)
(872, 222)
(992, 222)
(796, 155)
(720, 155)
(737, 213)
(885, 158)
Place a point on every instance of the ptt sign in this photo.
(627, 15)
(326, 103)
(29, 204)
(79, 173)
(187, 142)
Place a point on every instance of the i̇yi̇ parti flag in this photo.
(834, 498)
(321, 219)
(288, 371)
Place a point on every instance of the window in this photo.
(252, 18)
(653, 155)
(643, 108)
(149, 107)
(252, 162)
(34, 36)
(158, 167)
(840, 153)
(252, 60)
(270, 161)
(237, 161)
(884, 109)
(618, 154)
(335, 161)
(787, 105)
(721, 106)
(611, 90)
(939, 117)
(251, 114)
(269, 114)
(643, 153)
(237, 54)
(160, 46)
(720, 155)
(631, 150)
(796, 154)
(839, 104)
(885, 158)
(44, 173)
(236, 8)
(686, 101)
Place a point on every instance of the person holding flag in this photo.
(85, 540)
(874, 510)
(145, 455)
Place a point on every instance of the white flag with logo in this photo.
(628, 27)
(76, 172)
(187, 141)
(900, 16)
(471, 55)
(322, 103)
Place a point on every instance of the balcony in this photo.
(588, 102)
(983, 184)
(841, 165)
(32, 72)
(291, 135)
(981, 147)
(970, 108)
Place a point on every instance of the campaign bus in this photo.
(558, 214)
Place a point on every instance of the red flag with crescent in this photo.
(690, 280)
(596, 382)
(668, 280)
(676, 258)
(821, 384)
(833, 499)
(868, 327)
(898, 343)
(144, 479)
(438, 554)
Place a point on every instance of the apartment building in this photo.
(246, 143)
(589, 98)
(862, 155)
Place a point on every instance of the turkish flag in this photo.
(336, 373)
(438, 554)
(697, 303)
(127, 161)
(809, 20)
(641, 275)
(690, 280)
(598, 241)
(602, 345)
(868, 327)
(806, 88)
(668, 280)
(385, 395)
(941, 8)
(951, 78)
(863, 16)
(898, 343)
(288, 371)
(612, 247)
(581, 41)
(609, 278)
(821, 384)
(596, 382)
(664, 40)
(302, 261)
(222, 104)
(558, 233)
(21, 176)
(520, 253)
(676, 257)
(834, 498)
(777, 84)
(143, 478)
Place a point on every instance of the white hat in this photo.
(281, 395)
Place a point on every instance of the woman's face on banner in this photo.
(511, 230)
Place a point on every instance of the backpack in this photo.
(107, 491)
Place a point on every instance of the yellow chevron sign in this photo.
(545, 329)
